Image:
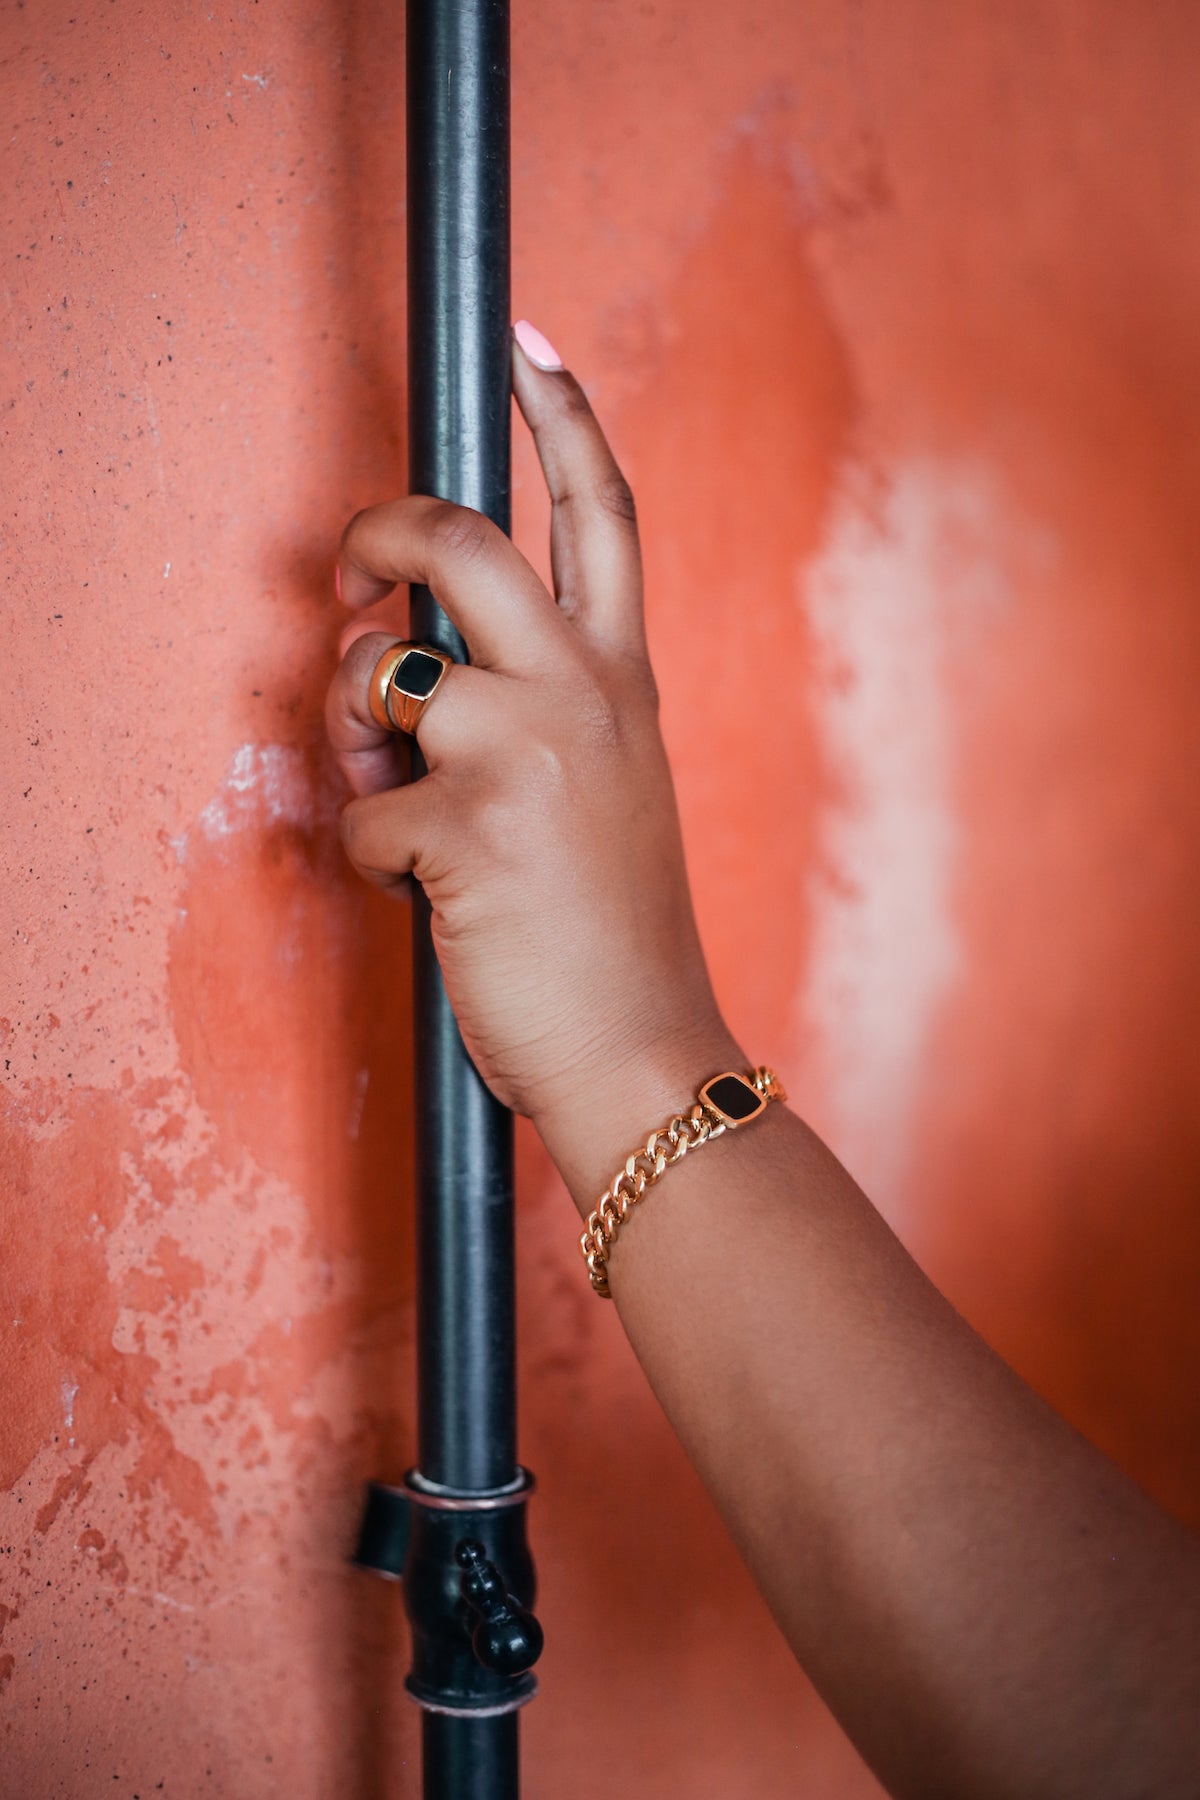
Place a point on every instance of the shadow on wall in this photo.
(290, 978)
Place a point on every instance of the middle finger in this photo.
(491, 593)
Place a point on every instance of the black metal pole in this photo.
(478, 1757)
(455, 1531)
(458, 411)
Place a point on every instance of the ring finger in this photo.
(458, 719)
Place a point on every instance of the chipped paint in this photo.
(898, 348)
(911, 566)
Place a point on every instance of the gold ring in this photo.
(403, 682)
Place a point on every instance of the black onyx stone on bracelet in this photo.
(417, 674)
(737, 1100)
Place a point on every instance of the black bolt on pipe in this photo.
(455, 1531)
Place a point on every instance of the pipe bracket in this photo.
(469, 1587)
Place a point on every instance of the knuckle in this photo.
(598, 718)
(359, 663)
(618, 695)
(458, 534)
(545, 770)
(571, 399)
(615, 496)
(353, 525)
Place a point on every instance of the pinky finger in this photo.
(389, 837)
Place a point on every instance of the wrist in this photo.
(590, 1132)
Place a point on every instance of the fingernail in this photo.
(337, 580)
(538, 349)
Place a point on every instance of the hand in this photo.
(545, 833)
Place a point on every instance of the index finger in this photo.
(490, 592)
(594, 549)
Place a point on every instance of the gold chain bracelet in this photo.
(722, 1104)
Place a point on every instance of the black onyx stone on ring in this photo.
(417, 674)
(734, 1098)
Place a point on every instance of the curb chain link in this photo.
(666, 1145)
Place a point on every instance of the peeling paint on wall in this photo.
(895, 334)
(912, 566)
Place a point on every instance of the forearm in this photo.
(988, 1605)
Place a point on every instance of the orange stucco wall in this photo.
(892, 312)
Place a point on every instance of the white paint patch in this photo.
(903, 571)
(69, 1391)
(266, 784)
(184, 1606)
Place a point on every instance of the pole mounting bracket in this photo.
(469, 1586)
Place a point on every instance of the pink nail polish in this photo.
(538, 349)
(337, 580)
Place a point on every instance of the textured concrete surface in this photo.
(891, 309)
